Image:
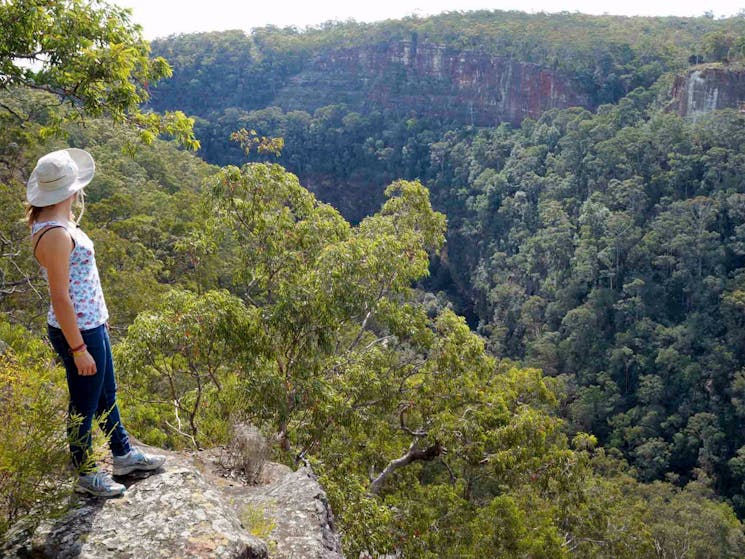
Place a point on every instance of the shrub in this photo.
(33, 453)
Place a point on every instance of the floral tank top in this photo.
(85, 284)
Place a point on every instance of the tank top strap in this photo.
(38, 230)
(39, 225)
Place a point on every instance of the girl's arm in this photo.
(53, 252)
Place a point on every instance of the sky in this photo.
(160, 18)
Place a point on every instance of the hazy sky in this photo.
(164, 17)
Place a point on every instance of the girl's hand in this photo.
(85, 364)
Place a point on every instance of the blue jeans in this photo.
(91, 397)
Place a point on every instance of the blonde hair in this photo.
(32, 212)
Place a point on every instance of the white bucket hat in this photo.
(59, 175)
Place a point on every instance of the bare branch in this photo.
(363, 327)
(179, 430)
(450, 471)
(414, 454)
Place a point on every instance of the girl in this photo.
(77, 318)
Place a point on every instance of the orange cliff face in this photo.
(703, 90)
(427, 80)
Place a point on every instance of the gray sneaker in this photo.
(99, 484)
(137, 460)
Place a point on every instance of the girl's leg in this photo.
(107, 411)
(84, 396)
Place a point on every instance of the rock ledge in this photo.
(191, 510)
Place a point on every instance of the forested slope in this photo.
(604, 56)
(607, 249)
(360, 105)
(244, 299)
(600, 244)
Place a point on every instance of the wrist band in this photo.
(78, 351)
(74, 349)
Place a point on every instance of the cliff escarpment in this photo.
(406, 78)
(429, 80)
(707, 89)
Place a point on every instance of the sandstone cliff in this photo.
(193, 508)
(706, 89)
(425, 79)
(406, 78)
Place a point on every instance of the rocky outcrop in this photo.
(173, 513)
(425, 79)
(289, 508)
(703, 90)
(309, 531)
(193, 508)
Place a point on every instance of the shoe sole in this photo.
(85, 491)
(124, 470)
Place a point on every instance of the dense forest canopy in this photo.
(599, 245)
(594, 406)
(611, 253)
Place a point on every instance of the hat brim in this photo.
(86, 169)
